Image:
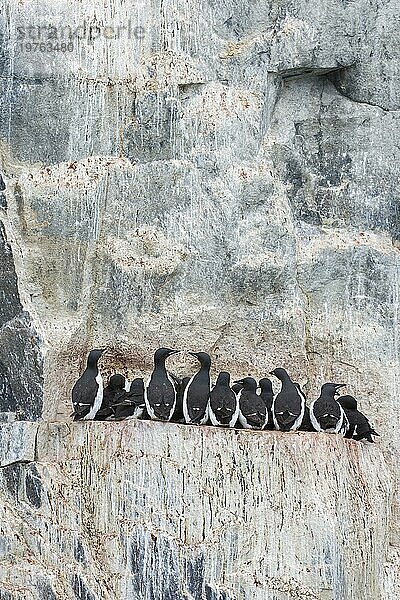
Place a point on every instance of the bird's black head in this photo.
(224, 378)
(117, 382)
(281, 374)
(332, 388)
(236, 387)
(137, 385)
(94, 356)
(162, 354)
(348, 402)
(265, 385)
(203, 358)
(249, 384)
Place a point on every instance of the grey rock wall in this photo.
(21, 379)
(227, 181)
(151, 510)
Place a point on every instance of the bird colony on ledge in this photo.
(193, 400)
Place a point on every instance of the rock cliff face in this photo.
(144, 510)
(213, 175)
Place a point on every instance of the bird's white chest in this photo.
(98, 399)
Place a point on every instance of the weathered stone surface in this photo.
(228, 182)
(145, 510)
(21, 371)
(17, 442)
(10, 305)
(374, 78)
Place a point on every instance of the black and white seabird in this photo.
(326, 414)
(253, 413)
(267, 395)
(131, 404)
(113, 393)
(178, 416)
(197, 392)
(160, 392)
(289, 405)
(306, 424)
(87, 393)
(359, 426)
(223, 405)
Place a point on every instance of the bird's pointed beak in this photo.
(238, 381)
(338, 387)
(193, 354)
(174, 352)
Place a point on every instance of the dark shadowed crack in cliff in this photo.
(35, 446)
(16, 462)
(362, 102)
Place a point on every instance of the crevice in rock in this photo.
(340, 91)
(16, 462)
(35, 446)
(300, 72)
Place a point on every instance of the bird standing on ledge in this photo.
(131, 405)
(87, 393)
(253, 413)
(223, 405)
(113, 393)
(326, 414)
(197, 392)
(289, 405)
(359, 426)
(160, 392)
